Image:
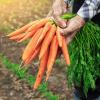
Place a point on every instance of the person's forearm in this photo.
(89, 9)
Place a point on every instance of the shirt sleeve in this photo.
(89, 9)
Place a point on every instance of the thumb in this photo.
(60, 22)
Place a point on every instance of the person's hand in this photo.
(73, 26)
(59, 7)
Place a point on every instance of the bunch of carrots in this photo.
(45, 39)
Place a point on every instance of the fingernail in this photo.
(64, 24)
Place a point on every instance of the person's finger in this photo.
(66, 31)
(71, 27)
(70, 37)
(60, 22)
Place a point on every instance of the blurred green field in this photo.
(16, 13)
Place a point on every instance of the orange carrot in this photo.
(28, 35)
(52, 56)
(59, 36)
(17, 37)
(21, 30)
(47, 40)
(42, 69)
(38, 24)
(65, 51)
(31, 45)
(33, 56)
(44, 32)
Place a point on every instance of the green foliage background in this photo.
(85, 57)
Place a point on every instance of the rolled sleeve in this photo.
(89, 9)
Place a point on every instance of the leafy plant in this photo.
(22, 74)
(85, 58)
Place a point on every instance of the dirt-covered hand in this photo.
(59, 7)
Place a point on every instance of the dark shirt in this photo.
(91, 95)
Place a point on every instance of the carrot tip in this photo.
(22, 64)
(39, 57)
(60, 45)
(19, 41)
(68, 64)
(34, 88)
(47, 77)
(8, 35)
